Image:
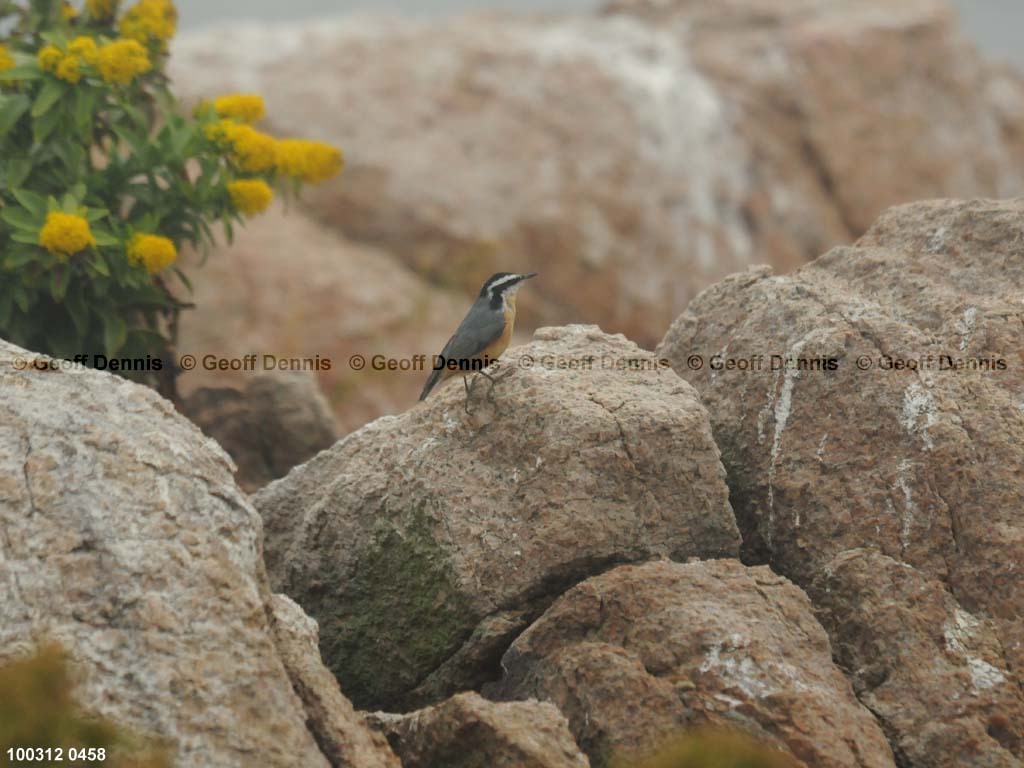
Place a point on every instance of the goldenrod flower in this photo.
(101, 10)
(250, 196)
(65, 234)
(67, 10)
(85, 48)
(152, 251)
(311, 161)
(246, 107)
(122, 61)
(150, 21)
(251, 150)
(49, 57)
(68, 68)
(6, 60)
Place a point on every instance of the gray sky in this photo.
(995, 24)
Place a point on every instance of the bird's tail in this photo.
(435, 376)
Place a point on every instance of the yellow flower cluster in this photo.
(122, 61)
(63, 65)
(67, 66)
(150, 21)
(6, 60)
(118, 62)
(250, 196)
(65, 234)
(311, 161)
(67, 10)
(101, 10)
(248, 108)
(251, 150)
(153, 251)
(84, 48)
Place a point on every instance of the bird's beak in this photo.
(527, 277)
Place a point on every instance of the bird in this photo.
(483, 334)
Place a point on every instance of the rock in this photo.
(887, 614)
(124, 539)
(632, 156)
(423, 543)
(469, 730)
(278, 421)
(835, 95)
(918, 457)
(639, 653)
(339, 730)
(292, 290)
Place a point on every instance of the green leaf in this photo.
(19, 258)
(36, 204)
(5, 308)
(78, 310)
(21, 297)
(29, 238)
(95, 214)
(49, 95)
(114, 333)
(85, 103)
(185, 281)
(23, 72)
(11, 110)
(104, 239)
(43, 126)
(59, 279)
(78, 192)
(100, 265)
(18, 169)
(19, 218)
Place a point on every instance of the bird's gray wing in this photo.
(480, 328)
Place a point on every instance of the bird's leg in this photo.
(490, 391)
(469, 390)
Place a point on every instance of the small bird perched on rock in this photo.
(483, 334)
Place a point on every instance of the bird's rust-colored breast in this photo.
(492, 351)
(499, 345)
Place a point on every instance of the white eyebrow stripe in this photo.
(502, 281)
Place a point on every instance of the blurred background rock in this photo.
(994, 24)
(632, 152)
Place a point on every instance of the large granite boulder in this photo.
(640, 653)
(424, 543)
(124, 539)
(892, 421)
(468, 730)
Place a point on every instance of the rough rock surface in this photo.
(294, 290)
(899, 628)
(918, 457)
(638, 154)
(275, 423)
(124, 539)
(423, 543)
(468, 730)
(339, 730)
(638, 653)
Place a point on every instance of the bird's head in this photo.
(502, 287)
